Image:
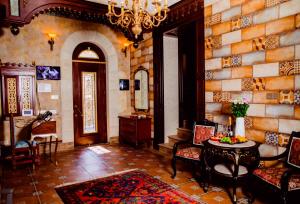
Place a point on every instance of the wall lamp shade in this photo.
(125, 48)
(51, 40)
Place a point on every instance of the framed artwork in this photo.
(47, 73)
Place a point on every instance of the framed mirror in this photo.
(141, 90)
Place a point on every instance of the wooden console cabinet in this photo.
(135, 131)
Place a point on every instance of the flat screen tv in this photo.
(47, 73)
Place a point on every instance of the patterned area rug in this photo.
(132, 187)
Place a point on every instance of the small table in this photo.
(230, 160)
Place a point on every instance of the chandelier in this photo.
(138, 17)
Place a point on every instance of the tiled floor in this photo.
(37, 186)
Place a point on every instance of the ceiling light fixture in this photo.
(138, 17)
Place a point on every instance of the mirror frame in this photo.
(141, 68)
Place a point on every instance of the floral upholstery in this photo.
(294, 153)
(273, 176)
(189, 153)
(202, 133)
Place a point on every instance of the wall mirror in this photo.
(141, 88)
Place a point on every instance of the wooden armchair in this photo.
(284, 179)
(190, 150)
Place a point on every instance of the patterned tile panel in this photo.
(246, 21)
(247, 84)
(217, 97)
(286, 97)
(236, 24)
(208, 75)
(248, 122)
(221, 97)
(271, 138)
(259, 84)
(272, 96)
(297, 97)
(259, 43)
(283, 139)
(236, 60)
(212, 20)
(272, 41)
(226, 62)
(217, 41)
(289, 67)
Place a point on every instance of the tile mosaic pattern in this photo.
(241, 22)
(213, 42)
(271, 3)
(272, 42)
(259, 84)
(283, 140)
(208, 75)
(221, 97)
(246, 21)
(297, 97)
(272, 96)
(271, 138)
(247, 84)
(226, 62)
(248, 122)
(290, 67)
(232, 61)
(286, 97)
(259, 44)
(235, 24)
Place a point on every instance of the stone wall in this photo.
(143, 56)
(32, 45)
(252, 49)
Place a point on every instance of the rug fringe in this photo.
(107, 175)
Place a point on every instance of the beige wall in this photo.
(31, 45)
(253, 50)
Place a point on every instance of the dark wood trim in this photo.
(143, 111)
(184, 12)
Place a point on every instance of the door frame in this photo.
(182, 13)
(101, 87)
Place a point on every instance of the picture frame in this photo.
(124, 84)
(47, 72)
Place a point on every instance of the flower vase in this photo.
(240, 126)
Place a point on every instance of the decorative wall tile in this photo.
(290, 38)
(253, 32)
(229, 14)
(276, 55)
(248, 122)
(266, 70)
(281, 110)
(259, 84)
(247, 84)
(289, 8)
(283, 139)
(267, 124)
(290, 67)
(246, 21)
(266, 15)
(253, 58)
(286, 97)
(280, 83)
(242, 94)
(281, 25)
(232, 85)
(272, 41)
(236, 23)
(270, 3)
(241, 72)
(272, 96)
(232, 37)
(271, 138)
(252, 6)
(226, 62)
(217, 41)
(217, 97)
(259, 43)
(287, 126)
(236, 60)
(297, 97)
(209, 43)
(208, 75)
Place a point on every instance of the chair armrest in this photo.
(286, 176)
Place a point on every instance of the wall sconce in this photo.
(125, 48)
(51, 40)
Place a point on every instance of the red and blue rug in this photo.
(133, 187)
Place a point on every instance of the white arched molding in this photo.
(111, 57)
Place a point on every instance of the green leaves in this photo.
(239, 109)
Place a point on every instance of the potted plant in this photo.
(239, 109)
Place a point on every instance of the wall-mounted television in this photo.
(124, 84)
(47, 73)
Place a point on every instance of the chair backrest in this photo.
(293, 158)
(203, 130)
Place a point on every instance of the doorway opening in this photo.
(89, 95)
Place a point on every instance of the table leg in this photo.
(50, 144)
(55, 151)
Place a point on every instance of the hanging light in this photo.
(138, 16)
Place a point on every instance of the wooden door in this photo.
(89, 95)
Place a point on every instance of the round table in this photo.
(230, 160)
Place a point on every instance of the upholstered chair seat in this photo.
(189, 153)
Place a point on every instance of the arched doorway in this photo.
(89, 94)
